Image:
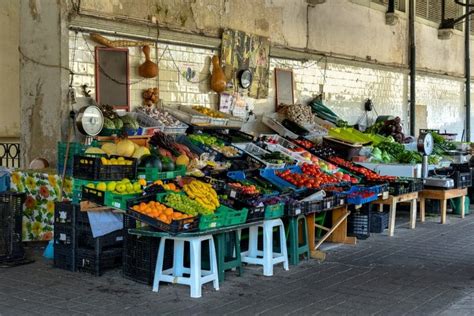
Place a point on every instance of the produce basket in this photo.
(107, 198)
(257, 152)
(274, 211)
(233, 136)
(345, 150)
(215, 121)
(219, 155)
(266, 189)
(211, 221)
(282, 185)
(233, 216)
(147, 124)
(359, 195)
(176, 226)
(188, 118)
(273, 122)
(91, 168)
(152, 174)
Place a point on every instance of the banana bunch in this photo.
(203, 193)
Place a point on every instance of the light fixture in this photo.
(445, 34)
(391, 18)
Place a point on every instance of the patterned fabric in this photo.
(42, 190)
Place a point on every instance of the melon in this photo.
(125, 148)
(182, 160)
(109, 148)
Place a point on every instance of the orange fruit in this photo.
(172, 186)
(169, 211)
(162, 218)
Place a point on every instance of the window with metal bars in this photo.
(399, 4)
(431, 10)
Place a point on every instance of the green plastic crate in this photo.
(119, 200)
(233, 217)
(74, 149)
(274, 211)
(152, 174)
(211, 221)
(76, 196)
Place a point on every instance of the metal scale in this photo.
(425, 145)
(89, 121)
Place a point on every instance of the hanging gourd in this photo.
(148, 69)
(218, 80)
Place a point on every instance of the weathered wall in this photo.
(10, 69)
(174, 60)
(43, 83)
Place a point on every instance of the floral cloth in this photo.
(42, 190)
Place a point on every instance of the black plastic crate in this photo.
(65, 235)
(11, 216)
(68, 213)
(65, 257)
(85, 239)
(378, 222)
(91, 168)
(295, 208)
(96, 263)
(358, 225)
(328, 203)
(176, 226)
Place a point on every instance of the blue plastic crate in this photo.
(240, 176)
(357, 200)
(4, 181)
(282, 185)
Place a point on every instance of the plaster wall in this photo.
(43, 78)
(10, 70)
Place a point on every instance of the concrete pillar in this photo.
(44, 77)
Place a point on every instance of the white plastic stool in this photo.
(267, 257)
(197, 277)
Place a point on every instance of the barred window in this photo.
(431, 10)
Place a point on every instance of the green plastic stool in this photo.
(320, 219)
(228, 253)
(295, 248)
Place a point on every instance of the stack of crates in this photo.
(140, 253)
(75, 248)
(11, 216)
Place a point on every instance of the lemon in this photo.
(113, 161)
(120, 158)
(111, 186)
(129, 187)
(120, 187)
(125, 180)
(90, 185)
(104, 161)
(101, 186)
(137, 187)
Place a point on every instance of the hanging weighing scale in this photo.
(89, 121)
(425, 146)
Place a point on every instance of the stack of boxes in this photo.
(75, 248)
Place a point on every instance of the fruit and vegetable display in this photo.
(125, 186)
(162, 116)
(203, 193)
(388, 152)
(362, 171)
(185, 204)
(159, 211)
(113, 121)
(216, 144)
(208, 111)
(246, 189)
(389, 128)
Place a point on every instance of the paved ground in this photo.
(427, 271)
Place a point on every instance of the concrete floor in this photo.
(427, 271)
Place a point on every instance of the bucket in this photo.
(456, 205)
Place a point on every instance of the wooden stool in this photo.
(393, 201)
(442, 196)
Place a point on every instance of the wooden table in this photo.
(337, 233)
(393, 201)
(442, 196)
